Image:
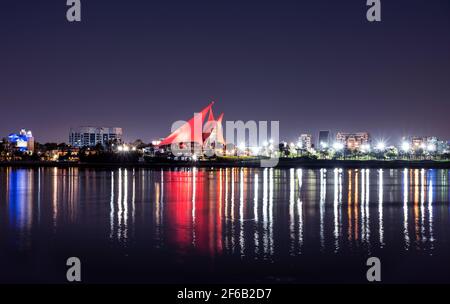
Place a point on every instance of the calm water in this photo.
(224, 225)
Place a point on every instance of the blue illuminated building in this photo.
(24, 141)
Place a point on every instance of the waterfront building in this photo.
(324, 139)
(425, 144)
(91, 136)
(193, 141)
(23, 141)
(305, 142)
(353, 141)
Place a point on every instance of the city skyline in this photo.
(312, 66)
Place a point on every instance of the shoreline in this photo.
(283, 163)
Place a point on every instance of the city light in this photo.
(381, 146)
(431, 148)
(365, 148)
(406, 146)
(338, 146)
(255, 150)
(123, 148)
(323, 145)
(241, 146)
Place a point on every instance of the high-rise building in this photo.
(91, 136)
(305, 141)
(324, 139)
(353, 141)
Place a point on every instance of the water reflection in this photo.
(380, 207)
(256, 213)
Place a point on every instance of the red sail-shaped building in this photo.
(194, 134)
(190, 132)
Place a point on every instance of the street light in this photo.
(255, 150)
(365, 148)
(338, 146)
(431, 148)
(323, 145)
(381, 146)
(406, 146)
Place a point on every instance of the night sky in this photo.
(142, 64)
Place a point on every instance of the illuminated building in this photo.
(353, 141)
(91, 136)
(24, 141)
(196, 135)
(324, 139)
(426, 143)
(305, 141)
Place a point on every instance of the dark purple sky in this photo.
(142, 64)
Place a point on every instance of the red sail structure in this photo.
(190, 132)
(209, 126)
(213, 133)
(219, 131)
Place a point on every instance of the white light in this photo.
(338, 146)
(271, 141)
(431, 148)
(324, 145)
(123, 148)
(255, 150)
(405, 146)
(194, 157)
(265, 144)
(365, 147)
(241, 146)
(381, 146)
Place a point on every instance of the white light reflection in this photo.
(111, 205)
(422, 205)
(255, 212)
(241, 212)
(363, 209)
(380, 207)
(271, 184)
(291, 211)
(265, 216)
(405, 208)
(336, 205)
(300, 209)
(367, 207)
(323, 193)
